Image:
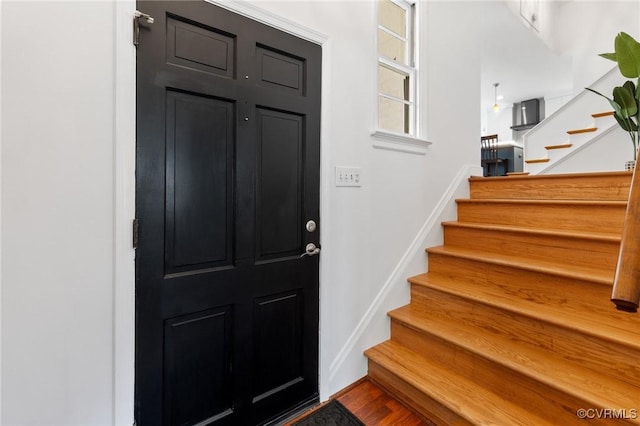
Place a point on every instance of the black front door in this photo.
(227, 178)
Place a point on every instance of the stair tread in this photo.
(558, 268)
(598, 236)
(537, 160)
(574, 247)
(602, 114)
(568, 214)
(585, 130)
(553, 371)
(600, 185)
(559, 146)
(541, 201)
(601, 321)
(470, 400)
(560, 176)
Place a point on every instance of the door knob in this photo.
(310, 250)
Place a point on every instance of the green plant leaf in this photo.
(609, 56)
(616, 108)
(624, 97)
(598, 93)
(627, 124)
(632, 91)
(630, 87)
(627, 55)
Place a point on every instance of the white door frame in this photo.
(124, 184)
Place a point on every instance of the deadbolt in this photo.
(311, 226)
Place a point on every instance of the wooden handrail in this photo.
(626, 286)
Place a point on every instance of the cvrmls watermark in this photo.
(607, 413)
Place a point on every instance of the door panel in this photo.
(227, 174)
(199, 191)
(279, 70)
(200, 48)
(198, 366)
(279, 185)
(278, 339)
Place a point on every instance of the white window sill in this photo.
(390, 141)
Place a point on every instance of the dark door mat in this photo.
(331, 414)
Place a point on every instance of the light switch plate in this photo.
(348, 176)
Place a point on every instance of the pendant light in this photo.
(496, 107)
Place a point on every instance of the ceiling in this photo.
(516, 58)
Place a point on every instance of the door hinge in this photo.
(136, 25)
(136, 223)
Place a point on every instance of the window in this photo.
(396, 67)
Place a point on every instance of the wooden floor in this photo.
(374, 407)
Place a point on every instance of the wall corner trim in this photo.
(124, 116)
(398, 273)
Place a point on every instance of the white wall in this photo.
(57, 212)
(499, 123)
(585, 28)
(58, 194)
(582, 29)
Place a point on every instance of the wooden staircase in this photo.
(513, 323)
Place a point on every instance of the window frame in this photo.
(408, 69)
(408, 141)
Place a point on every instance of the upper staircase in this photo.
(580, 136)
(513, 323)
(574, 141)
